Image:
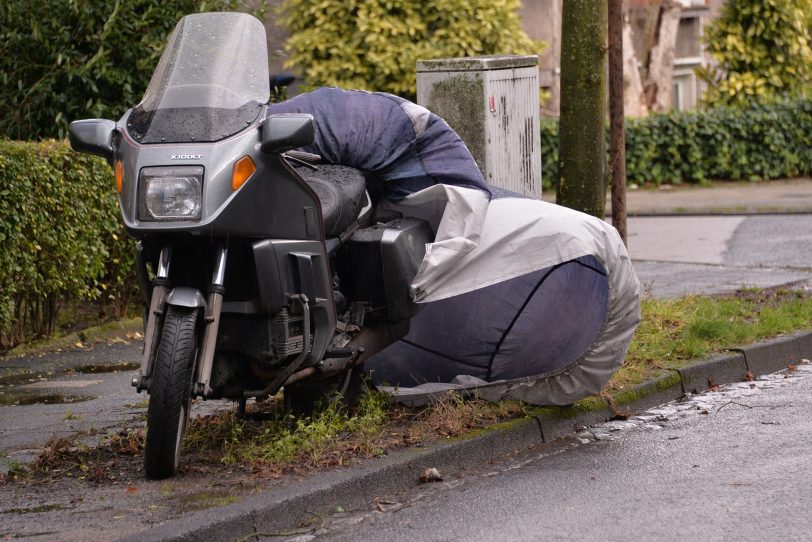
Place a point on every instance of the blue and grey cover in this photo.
(400, 142)
(522, 299)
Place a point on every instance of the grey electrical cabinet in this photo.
(492, 102)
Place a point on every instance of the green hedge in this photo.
(758, 142)
(60, 236)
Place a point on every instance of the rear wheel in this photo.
(170, 392)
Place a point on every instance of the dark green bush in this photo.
(60, 236)
(758, 142)
(67, 60)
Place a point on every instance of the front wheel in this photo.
(170, 392)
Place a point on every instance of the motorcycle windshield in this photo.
(211, 81)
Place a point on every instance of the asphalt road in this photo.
(731, 464)
(680, 255)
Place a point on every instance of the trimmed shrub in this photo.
(60, 236)
(758, 142)
(760, 48)
(374, 44)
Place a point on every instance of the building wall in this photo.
(541, 19)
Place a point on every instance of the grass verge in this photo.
(673, 333)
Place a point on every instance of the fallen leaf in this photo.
(749, 376)
(132, 489)
(430, 475)
(386, 506)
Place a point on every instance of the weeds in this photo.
(673, 332)
(16, 470)
(330, 436)
(454, 416)
(336, 435)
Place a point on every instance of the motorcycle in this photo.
(261, 269)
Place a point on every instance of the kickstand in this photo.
(241, 408)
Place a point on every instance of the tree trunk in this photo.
(632, 83)
(617, 139)
(657, 89)
(582, 148)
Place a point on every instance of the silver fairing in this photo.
(274, 203)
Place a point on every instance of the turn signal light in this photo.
(119, 176)
(243, 169)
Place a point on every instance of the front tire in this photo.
(170, 392)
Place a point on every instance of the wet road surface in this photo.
(731, 464)
(66, 393)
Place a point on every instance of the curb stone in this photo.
(356, 486)
(655, 392)
(706, 374)
(770, 356)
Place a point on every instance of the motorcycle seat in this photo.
(342, 193)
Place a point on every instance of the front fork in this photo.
(212, 308)
(212, 324)
(160, 289)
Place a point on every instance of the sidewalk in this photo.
(740, 197)
(719, 238)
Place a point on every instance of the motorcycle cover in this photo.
(523, 299)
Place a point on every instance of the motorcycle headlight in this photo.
(171, 193)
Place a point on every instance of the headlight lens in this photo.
(171, 193)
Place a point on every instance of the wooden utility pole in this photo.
(617, 139)
(582, 150)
